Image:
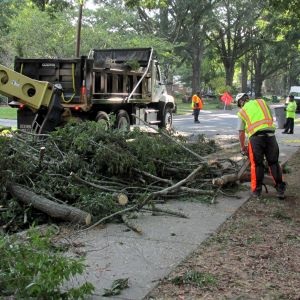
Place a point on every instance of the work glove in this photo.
(244, 151)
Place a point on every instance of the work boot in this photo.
(197, 121)
(280, 188)
(256, 194)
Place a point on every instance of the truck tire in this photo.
(103, 118)
(167, 119)
(123, 120)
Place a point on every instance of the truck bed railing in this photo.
(127, 99)
(113, 57)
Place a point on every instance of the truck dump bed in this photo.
(121, 74)
(69, 73)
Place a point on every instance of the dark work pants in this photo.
(196, 114)
(289, 125)
(260, 147)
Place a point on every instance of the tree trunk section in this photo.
(244, 79)
(259, 78)
(53, 209)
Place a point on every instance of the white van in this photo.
(295, 91)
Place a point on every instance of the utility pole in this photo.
(78, 36)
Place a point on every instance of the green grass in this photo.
(8, 113)
(195, 278)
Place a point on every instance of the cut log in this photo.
(268, 180)
(53, 209)
(130, 224)
(121, 198)
(220, 181)
(245, 177)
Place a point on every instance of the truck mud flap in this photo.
(25, 118)
(47, 120)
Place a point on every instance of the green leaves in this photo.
(106, 161)
(151, 4)
(33, 268)
(116, 287)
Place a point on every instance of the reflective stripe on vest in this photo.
(254, 125)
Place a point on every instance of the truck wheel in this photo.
(167, 119)
(103, 118)
(123, 121)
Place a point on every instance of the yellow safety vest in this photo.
(257, 116)
(291, 110)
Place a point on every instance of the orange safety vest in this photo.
(197, 102)
(257, 116)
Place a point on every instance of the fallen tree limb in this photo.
(82, 181)
(170, 182)
(148, 198)
(167, 211)
(268, 180)
(120, 212)
(246, 177)
(221, 181)
(176, 186)
(53, 209)
(130, 224)
(173, 140)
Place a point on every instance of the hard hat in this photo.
(239, 96)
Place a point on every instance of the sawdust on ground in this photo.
(254, 255)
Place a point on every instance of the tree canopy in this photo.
(210, 44)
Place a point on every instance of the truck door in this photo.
(158, 88)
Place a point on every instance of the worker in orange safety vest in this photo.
(256, 121)
(197, 105)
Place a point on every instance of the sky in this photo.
(89, 4)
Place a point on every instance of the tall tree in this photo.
(35, 33)
(8, 11)
(52, 5)
(276, 46)
(232, 33)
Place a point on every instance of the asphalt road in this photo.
(212, 123)
(217, 122)
(8, 123)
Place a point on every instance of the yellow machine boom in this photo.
(40, 96)
(28, 91)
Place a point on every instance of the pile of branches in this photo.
(102, 172)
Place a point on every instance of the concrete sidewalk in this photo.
(115, 252)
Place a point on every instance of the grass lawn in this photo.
(7, 112)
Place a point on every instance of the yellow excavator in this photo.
(41, 97)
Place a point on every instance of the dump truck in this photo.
(119, 86)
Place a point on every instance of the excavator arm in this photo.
(43, 98)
